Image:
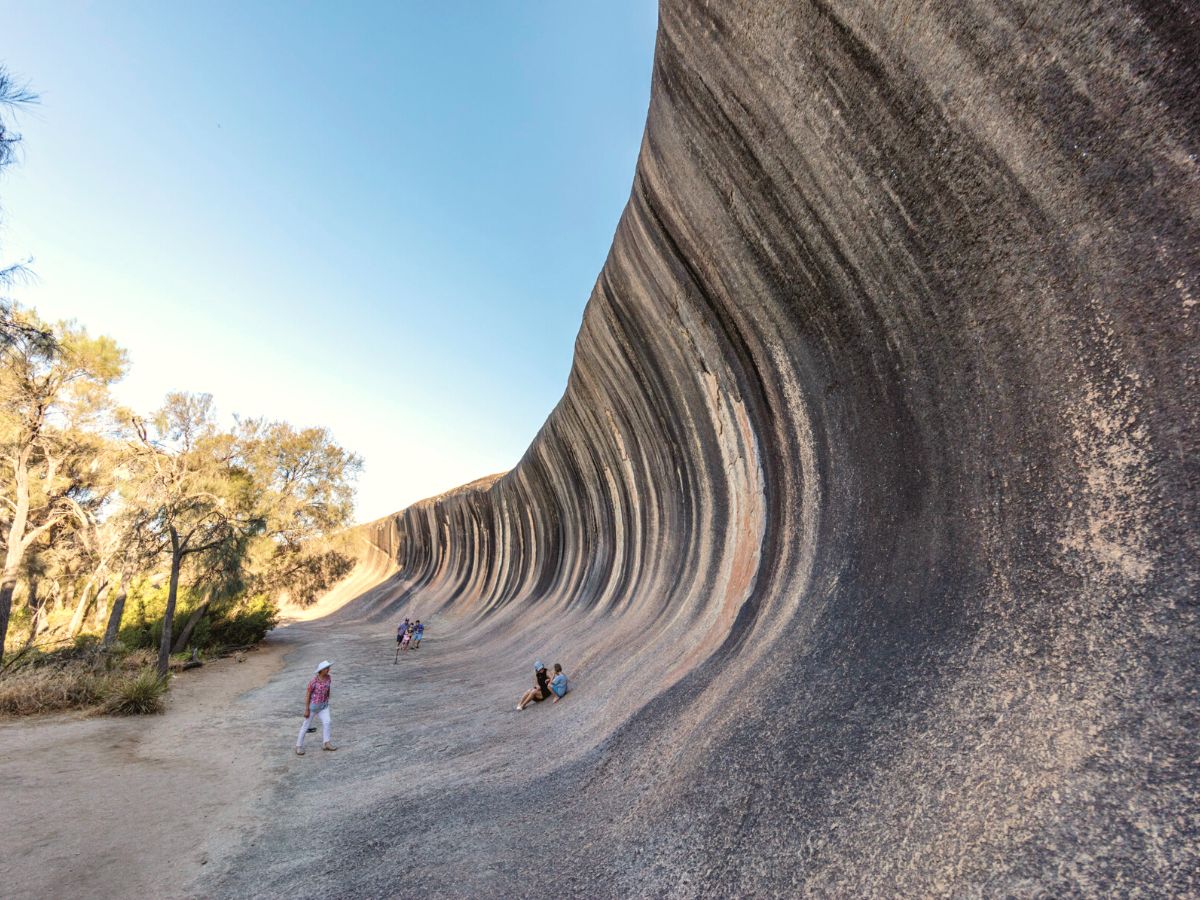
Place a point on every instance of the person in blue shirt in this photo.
(558, 685)
(418, 632)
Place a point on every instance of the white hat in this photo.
(325, 664)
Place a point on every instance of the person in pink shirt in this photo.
(316, 706)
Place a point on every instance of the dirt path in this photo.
(112, 807)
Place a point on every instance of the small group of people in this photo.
(409, 634)
(545, 686)
(316, 697)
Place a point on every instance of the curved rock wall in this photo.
(868, 518)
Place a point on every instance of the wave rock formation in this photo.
(867, 522)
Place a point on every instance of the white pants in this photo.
(323, 715)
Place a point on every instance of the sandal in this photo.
(328, 747)
(299, 751)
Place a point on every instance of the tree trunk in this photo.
(193, 620)
(15, 545)
(102, 598)
(118, 611)
(85, 601)
(164, 645)
(8, 581)
(35, 613)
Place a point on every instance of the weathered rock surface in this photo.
(867, 522)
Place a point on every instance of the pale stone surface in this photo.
(867, 521)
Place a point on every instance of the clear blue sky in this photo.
(381, 217)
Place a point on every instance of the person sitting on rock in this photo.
(540, 690)
(558, 685)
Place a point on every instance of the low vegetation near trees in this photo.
(119, 683)
(127, 539)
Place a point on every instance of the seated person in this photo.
(558, 685)
(541, 689)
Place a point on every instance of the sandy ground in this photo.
(111, 807)
(209, 800)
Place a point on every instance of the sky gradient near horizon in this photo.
(385, 218)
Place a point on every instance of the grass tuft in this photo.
(141, 695)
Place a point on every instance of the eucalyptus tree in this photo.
(13, 96)
(306, 484)
(54, 404)
(136, 552)
(188, 494)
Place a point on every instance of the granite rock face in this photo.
(867, 521)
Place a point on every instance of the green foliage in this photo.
(12, 95)
(302, 575)
(85, 642)
(54, 405)
(240, 517)
(247, 624)
(234, 623)
(20, 618)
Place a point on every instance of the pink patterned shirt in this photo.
(320, 691)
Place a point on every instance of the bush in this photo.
(120, 685)
(140, 695)
(136, 637)
(48, 689)
(246, 624)
(239, 624)
(85, 642)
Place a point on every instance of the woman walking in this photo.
(316, 706)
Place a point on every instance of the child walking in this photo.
(316, 706)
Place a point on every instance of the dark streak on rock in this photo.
(869, 512)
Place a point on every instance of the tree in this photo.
(220, 576)
(103, 544)
(52, 398)
(189, 496)
(136, 553)
(306, 484)
(303, 493)
(12, 97)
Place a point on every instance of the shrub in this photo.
(48, 689)
(123, 686)
(84, 642)
(140, 695)
(239, 624)
(136, 637)
(132, 660)
(248, 623)
(202, 633)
